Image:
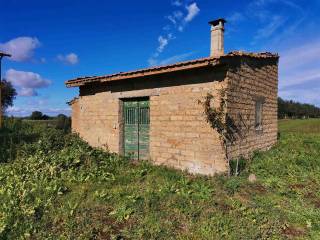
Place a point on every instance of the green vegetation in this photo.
(300, 126)
(61, 121)
(57, 187)
(292, 109)
(8, 94)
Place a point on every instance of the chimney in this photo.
(217, 37)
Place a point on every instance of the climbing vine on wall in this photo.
(228, 129)
(218, 118)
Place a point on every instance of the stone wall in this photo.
(249, 79)
(96, 119)
(179, 134)
(75, 116)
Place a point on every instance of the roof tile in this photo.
(166, 68)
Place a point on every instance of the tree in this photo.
(36, 115)
(291, 109)
(45, 117)
(8, 94)
(63, 123)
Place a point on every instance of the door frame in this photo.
(122, 122)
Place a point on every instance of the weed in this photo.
(54, 186)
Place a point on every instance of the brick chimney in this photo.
(217, 37)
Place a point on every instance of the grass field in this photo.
(300, 126)
(57, 187)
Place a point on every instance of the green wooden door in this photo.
(136, 128)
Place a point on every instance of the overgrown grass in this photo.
(14, 134)
(311, 125)
(59, 188)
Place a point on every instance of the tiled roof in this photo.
(202, 62)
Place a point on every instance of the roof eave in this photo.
(169, 68)
(142, 73)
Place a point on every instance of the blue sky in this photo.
(54, 41)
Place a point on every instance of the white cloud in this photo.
(170, 60)
(275, 23)
(193, 10)
(299, 77)
(28, 92)
(300, 55)
(21, 48)
(177, 3)
(178, 21)
(56, 111)
(175, 17)
(310, 95)
(163, 42)
(16, 111)
(300, 64)
(42, 104)
(278, 26)
(71, 58)
(261, 2)
(299, 73)
(172, 19)
(26, 82)
(26, 79)
(235, 17)
(166, 28)
(153, 61)
(178, 14)
(175, 59)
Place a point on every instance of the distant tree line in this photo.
(292, 109)
(8, 95)
(37, 115)
(62, 121)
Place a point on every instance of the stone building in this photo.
(157, 113)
